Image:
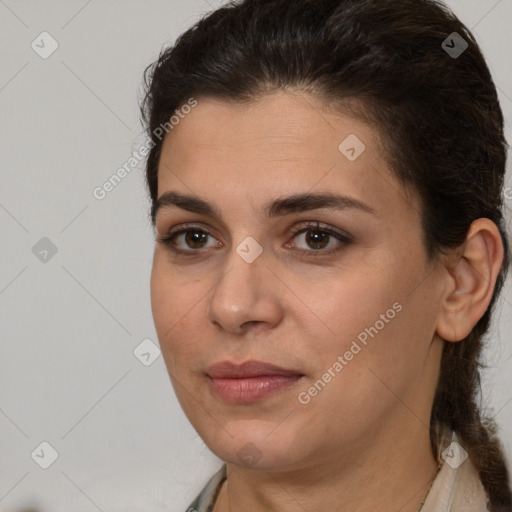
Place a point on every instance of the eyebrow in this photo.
(278, 207)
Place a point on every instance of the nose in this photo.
(245, 298)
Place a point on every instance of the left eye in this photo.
(317, 238)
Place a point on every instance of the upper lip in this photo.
(229, 370)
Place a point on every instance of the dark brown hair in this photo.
(438, 114)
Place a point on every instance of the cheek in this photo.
(368, 319)
(161, 300)
(362, 387)
(167, 305)
(169, 295)
(176, 306)
(350, 304)
(383, 342)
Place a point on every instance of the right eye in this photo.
(187, 240)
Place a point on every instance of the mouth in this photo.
(250, 381)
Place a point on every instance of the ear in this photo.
(471, 275)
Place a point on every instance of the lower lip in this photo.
(251, 389)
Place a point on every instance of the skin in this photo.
(362, 443)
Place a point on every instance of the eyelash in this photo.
(345, 239)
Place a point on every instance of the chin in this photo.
(253, 444)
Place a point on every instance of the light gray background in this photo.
(69, 326)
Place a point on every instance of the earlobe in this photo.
(471, 275)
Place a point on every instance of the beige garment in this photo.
(457, 487)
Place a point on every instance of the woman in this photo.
(327, 202)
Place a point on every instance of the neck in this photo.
(373, 479)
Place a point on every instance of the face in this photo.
(301, 250)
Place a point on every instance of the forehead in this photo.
(281, 143)
(285, 124)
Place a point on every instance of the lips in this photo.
(229, 370)
(249, 382)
